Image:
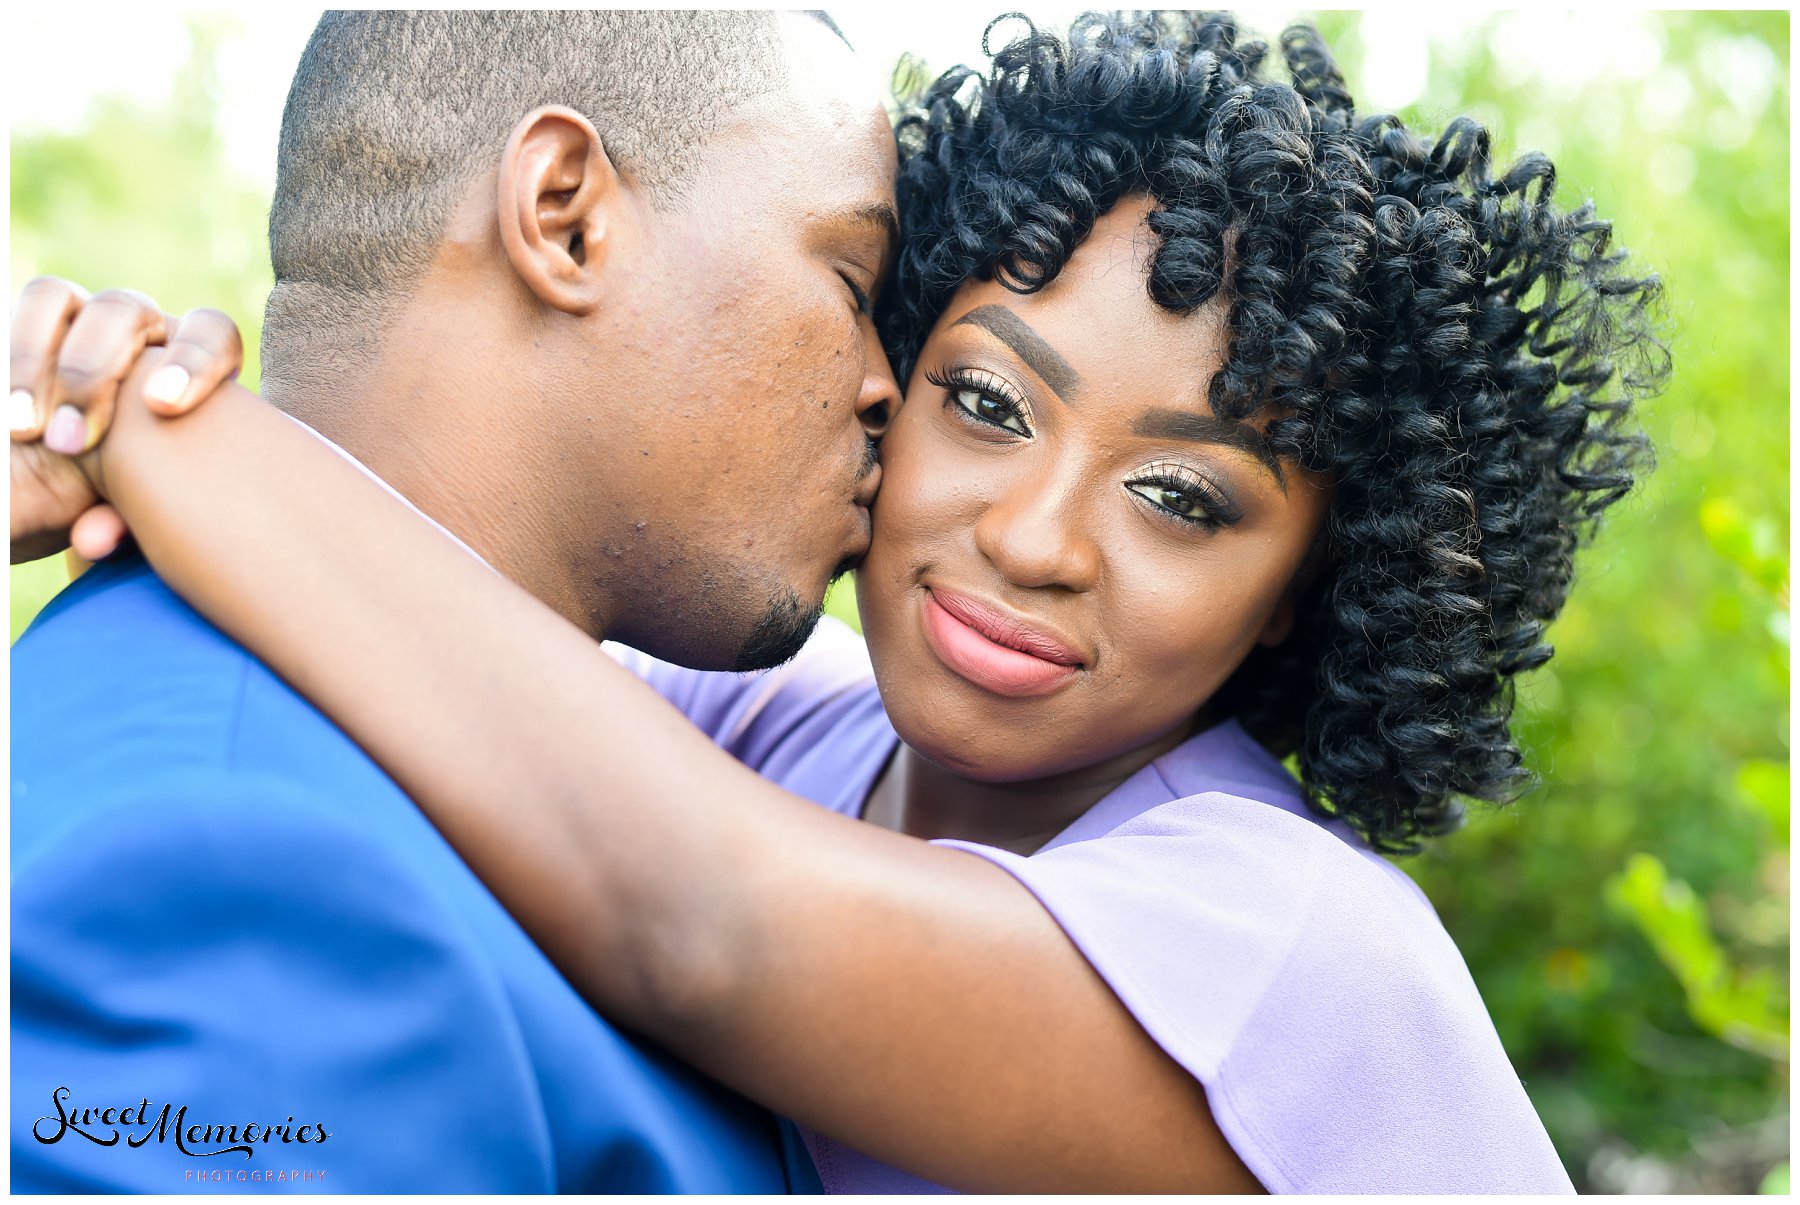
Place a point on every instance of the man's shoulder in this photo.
(104, 625)
(119, 684)
(119, 632)
(210, 880)
(144, 736)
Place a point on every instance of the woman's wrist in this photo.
(123, 432)
(131, 440)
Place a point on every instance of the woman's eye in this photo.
(983, 399)
(1186, 503)
(990, 409)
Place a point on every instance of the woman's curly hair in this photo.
(1460, 354)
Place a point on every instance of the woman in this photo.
(1236, 427)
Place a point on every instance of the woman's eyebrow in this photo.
(1030, 347)
(1205, 428)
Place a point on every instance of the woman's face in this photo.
(1071, 552)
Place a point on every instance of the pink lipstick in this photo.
(993, 650)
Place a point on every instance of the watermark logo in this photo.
(107, 1125)
(255, 1175)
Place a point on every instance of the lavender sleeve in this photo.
(814, 725)
(1310, 988)
(754, 715)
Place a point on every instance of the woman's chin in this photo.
(998, 757)
(977, 768)
(987, 760)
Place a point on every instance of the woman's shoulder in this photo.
(1250, 879)
(1303, 979)
(1221, 795)
(1364, 1057)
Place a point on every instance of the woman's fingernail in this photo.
(22, 410)
(167, 384)
(67, 432)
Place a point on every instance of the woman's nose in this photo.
(1036, 536)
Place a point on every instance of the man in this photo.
(593, 290)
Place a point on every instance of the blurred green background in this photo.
(1628, 922)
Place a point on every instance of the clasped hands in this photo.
(80, 364)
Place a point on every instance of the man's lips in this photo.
(868, 486)
(994, 650)
(861, 530)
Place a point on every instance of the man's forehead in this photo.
(821, 67)
(819, 150)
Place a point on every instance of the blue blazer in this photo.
(225, 915)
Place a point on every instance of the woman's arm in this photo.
(906, 999)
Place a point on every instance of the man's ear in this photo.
(559, 194)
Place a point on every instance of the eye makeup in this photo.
(984, 398)
(1171, 490)
(1177, 493)
(1162, 423)
(1026, 344)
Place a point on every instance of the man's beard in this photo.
(788, 622)
(783, 630)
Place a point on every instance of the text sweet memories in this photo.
(105, 1126)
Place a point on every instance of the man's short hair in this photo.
(391, 114)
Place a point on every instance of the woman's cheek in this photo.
(930, 493)
(1169, 627)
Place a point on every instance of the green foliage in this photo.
(1735, 1007)
(1661, 727)
(1776, 1182)
(1627, 923)
(1763, 786)
(33, 585)
(141, 197)
(1755, 545)
(840, 601)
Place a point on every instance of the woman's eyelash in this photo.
(994, 403)
(1206, 505)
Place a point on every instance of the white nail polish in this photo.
(21, 410)
(166, 384)
(67, 431)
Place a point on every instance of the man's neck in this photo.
(426, 443)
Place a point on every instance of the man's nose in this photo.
(1036, 535)
(880, 394)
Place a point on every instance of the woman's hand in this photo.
(70, 356)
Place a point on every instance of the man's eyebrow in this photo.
(1206, 428)
(1038, 355)
(881, 215)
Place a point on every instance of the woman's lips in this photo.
(966, 637)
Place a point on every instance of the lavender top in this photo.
(1300, 977)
